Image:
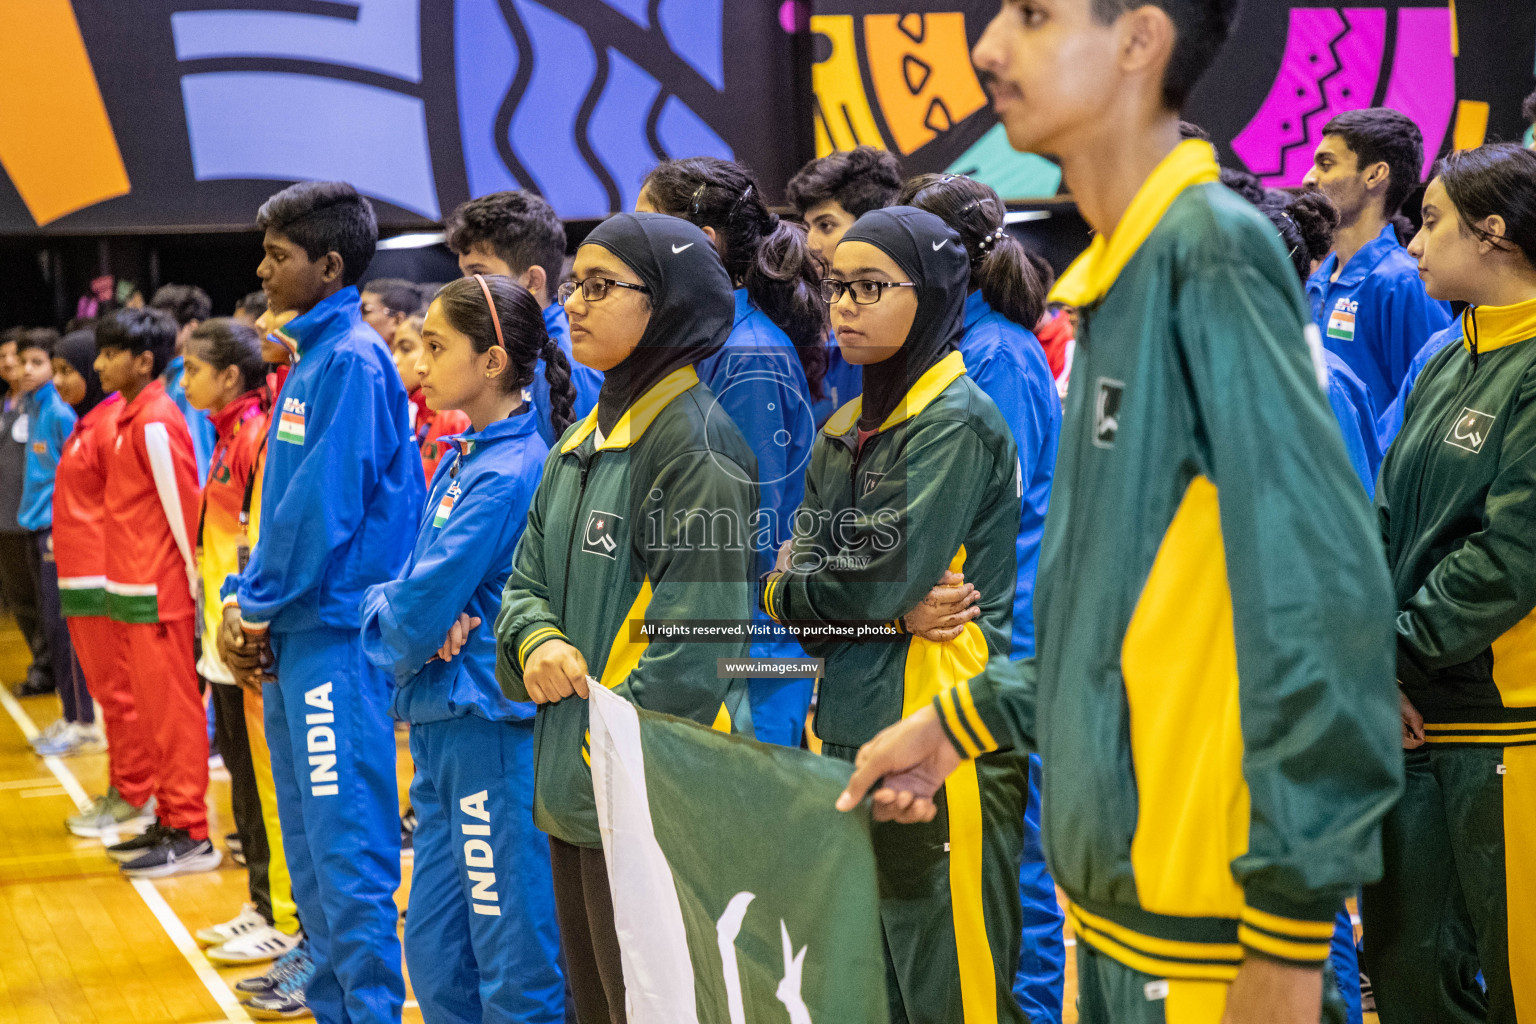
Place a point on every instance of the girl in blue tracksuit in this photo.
(1005, 359)
(768, 376)
(480, 940)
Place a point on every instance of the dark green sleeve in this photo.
(876, 566)
(1479, 591)
(526, 620)
(994, 711)
(695, 575)
(1311, 606)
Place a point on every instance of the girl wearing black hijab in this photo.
(918, 476)
(613, 537)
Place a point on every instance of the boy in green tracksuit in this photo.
(917, 476)
(1457, 504)
(1212, 689)
(641, 515)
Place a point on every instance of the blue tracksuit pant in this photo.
(336, 797)
(480, 939)
(1043, 953)
(779, 706)
(1346, 965)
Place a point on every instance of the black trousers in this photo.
(73, 693)
(234, 744)
(584, 908)
(19, 586)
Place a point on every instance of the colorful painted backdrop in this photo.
(185, 114)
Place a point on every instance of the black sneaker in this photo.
(236, 848)
(294, 962)
(137, 846)
(179, 854)
(408, 828)
(37, 683)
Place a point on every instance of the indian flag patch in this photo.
(1341, 322)
(290, 424)
(445, 506)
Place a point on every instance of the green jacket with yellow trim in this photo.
(937, 486)
(1457, 504)
(1212, 695)
(649, 525)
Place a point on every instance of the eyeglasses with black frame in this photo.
(595, 289)
(863, 292)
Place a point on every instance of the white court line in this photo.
(174, 929)
(30, 794)
(26, 783)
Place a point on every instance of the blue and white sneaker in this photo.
(296, 960)
(287, 1001)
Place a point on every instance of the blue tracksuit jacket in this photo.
(1391, 419)
(1351, 402)
(475, 512)
(1376, 316)
(51, 421)
(843, 383)
(342, 481)
(588, 381)
(1006, 361)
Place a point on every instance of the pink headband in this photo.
(495, 319)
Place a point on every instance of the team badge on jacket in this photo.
(445, 506)
(1341, 322)
(1106, 412)
(1470, 430)
(598, 538)
(290, 425)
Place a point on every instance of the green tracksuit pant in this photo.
(1458, 891)
(1108, 992)
(949, 897)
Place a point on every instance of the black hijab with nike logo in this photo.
(930, 253)
(692, 303)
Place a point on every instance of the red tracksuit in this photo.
(430, 429)
(79, 548)
(151, 511)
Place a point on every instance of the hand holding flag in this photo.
(910, 760)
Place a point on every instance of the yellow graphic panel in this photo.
(920, 65)
(56, 142)
(843, 117)
(1471, 124)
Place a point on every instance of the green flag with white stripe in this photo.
(740, 895)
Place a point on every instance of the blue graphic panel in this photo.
(617, 127)
(684, 133)
(485, 69)
(386, 37)
(693, 28)
(545, 125)
(242, 125)
(634, 10)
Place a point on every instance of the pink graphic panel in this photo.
(1423, 82)
(1331, 64)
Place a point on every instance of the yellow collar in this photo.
(638, 417)
(928, 387)
(1497, 326)
(1091, 275)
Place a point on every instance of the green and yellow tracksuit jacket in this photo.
(936, 486)
(1457, 505)
(1212, 695)
(649, 524)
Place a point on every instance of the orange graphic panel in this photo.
(56, 142)
(920, 65)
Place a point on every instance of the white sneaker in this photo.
(90, 740)
(254, 947)
(243, 923)
(51, 734)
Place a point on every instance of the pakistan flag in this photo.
(740, 895)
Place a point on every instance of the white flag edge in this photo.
(653, 942)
